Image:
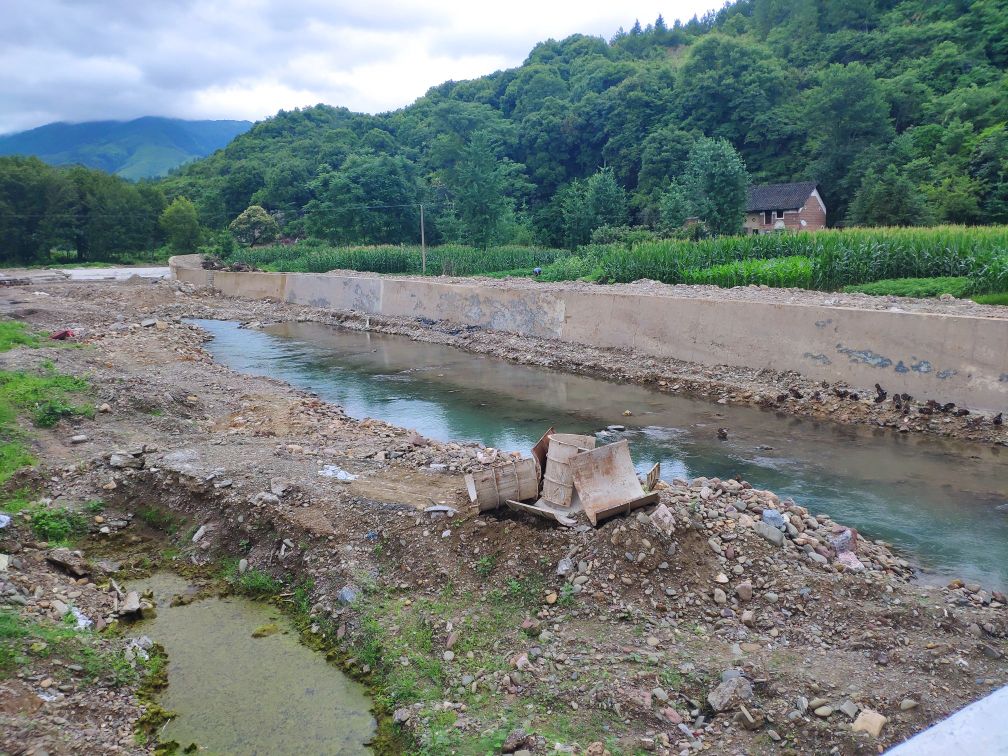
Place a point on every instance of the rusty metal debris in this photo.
(566, 475)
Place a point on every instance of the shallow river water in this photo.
(235, 694)
(944, 503)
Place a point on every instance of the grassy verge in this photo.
(957, 286)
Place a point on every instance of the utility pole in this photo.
(423, 243)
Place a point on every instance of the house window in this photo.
(767, 216)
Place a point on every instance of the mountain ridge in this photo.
(139, 148)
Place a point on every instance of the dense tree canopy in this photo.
(864, 96)
(79, 213)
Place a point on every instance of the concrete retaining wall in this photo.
(946, 357)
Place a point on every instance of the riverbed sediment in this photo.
(484, 631)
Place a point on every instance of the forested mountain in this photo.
(141, 148)
(896, 107)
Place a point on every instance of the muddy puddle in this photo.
(944, 503)
(236, 694)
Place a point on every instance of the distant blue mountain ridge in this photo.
(142, 148)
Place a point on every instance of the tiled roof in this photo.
(778, 196)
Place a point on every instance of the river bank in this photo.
(481, 632)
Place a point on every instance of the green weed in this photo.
(257, 583)
(485, 565)
(58, 524)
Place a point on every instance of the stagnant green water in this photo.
(944, 503)
(235, 694)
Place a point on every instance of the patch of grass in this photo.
(16, 501)
(22, 638)
(159, 519)
(257, 583)
(957, 286)
(15, 333)
(566, 597)
(485, 565)
(992, 299)
(527, 591)
(44, 397)
(58, 525)
(95, 506)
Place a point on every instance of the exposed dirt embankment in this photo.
(745, 624)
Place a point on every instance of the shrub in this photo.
(957, 286)
(58, 524)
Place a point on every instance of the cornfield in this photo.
(826, 260)
(447, 259)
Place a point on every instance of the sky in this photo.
(83, 60)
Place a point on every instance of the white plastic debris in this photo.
(4, 520)
(83, 621)
(332, 471)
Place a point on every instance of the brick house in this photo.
(778, 207)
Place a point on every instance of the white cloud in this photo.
(79, 60)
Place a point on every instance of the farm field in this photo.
(957, 260)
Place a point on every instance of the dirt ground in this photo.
(480, 632)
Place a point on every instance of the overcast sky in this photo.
(82, 60)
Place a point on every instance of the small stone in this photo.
(869, 721)
(673, 716)
(243, 566)
(907, 704)
(774, 519)
(551, 598)
(80, 438)
(729, 694)
(776, 537)
(849, 708)
(824, 711)
(815, 703)
(448, 656)
(105, 408)
(720, 597)
(120, 460)
(564, 567)
(721, 578)
(744, 591)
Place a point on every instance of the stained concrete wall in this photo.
(953, 358)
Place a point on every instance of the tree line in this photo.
(896, 107)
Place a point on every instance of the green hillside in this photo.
(897, 108)
(143, 148)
